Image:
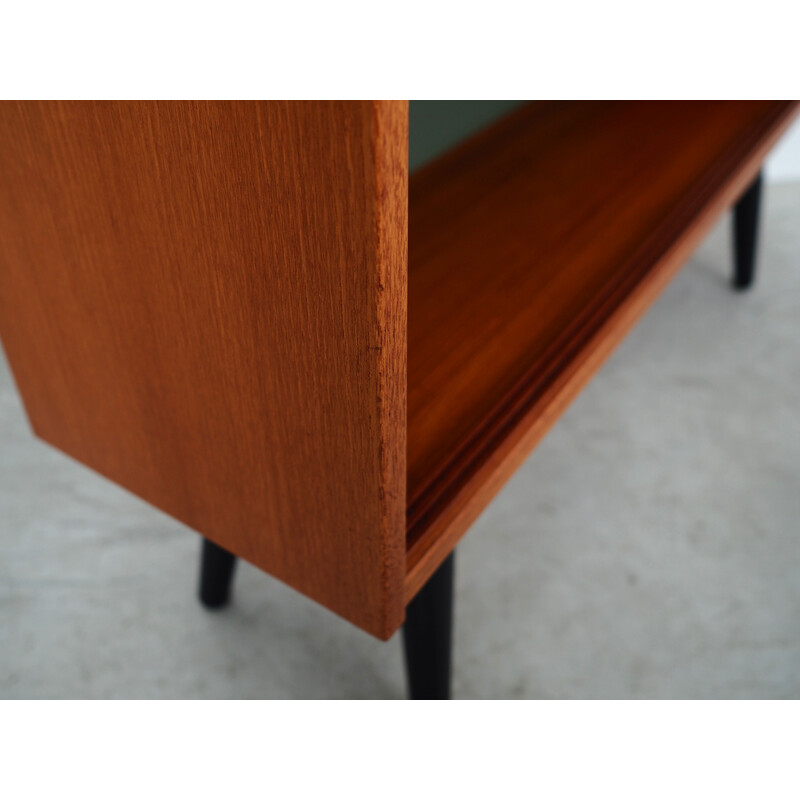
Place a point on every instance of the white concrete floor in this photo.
(649, 548)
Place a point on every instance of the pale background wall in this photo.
(783, 165)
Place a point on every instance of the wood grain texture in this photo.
(532, 250)
(205, 302)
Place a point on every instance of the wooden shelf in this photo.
(532, 249)
(205, 302)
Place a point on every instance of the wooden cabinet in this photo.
(249, 316)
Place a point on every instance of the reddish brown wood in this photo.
(532, 250)
(205, 302)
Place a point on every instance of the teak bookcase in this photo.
(248, 315)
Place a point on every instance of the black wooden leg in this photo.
(745, 225)
(428, 634)
(216, 573)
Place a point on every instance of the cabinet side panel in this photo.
(193, 299)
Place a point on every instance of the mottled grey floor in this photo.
(648, 548)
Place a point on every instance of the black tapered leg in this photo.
(745, 234)
(216, 574)
(428, 635)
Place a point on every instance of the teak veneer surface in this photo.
(205, 302)
(532, 249)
